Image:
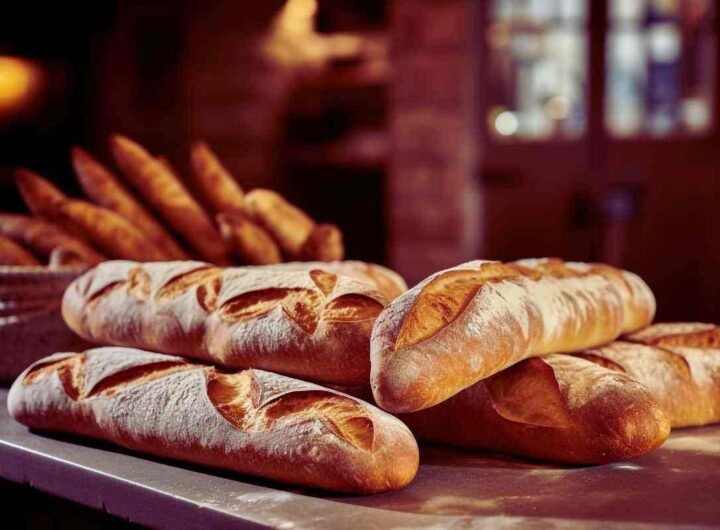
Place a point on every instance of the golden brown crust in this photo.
(247, 241)
(103, 188)
(557, 408)
(686, 334)
(167, 195)
(325, 243)
(43, 237)
(217, 187)
(679, 362)
(469, 322)
(40, 196)
(12, 253)
(252, 421)
(310, 324)
(671, 376)
(288, 225)
(110, 232)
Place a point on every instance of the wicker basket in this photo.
(31, 326)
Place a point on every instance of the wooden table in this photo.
(677, 485)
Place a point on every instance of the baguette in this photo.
(678, 362)
(167, 195)
(40, 196)
(13, 254)
(466, 323)
(289, 225)
(558, 408)
(112, 233)
(252, 422)
(312, 324)
(218, 189)
(387, 281)
(43, 237)
(103, 188)
(247, 241)
(325, 243)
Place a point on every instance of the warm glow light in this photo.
(506, 123)
(294, 42)
(19, 83)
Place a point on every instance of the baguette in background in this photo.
(40, 196)
(288, 225)
(466, 323)
(167, 195)
(217, 187)
(247, 241)
(103, 188)
(13, 254)
(253, 422)
(558, 408)
(43, 237)
(310, 324)
(325, 243)
(110, 232)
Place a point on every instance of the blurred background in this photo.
(431, 131)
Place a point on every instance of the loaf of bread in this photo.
(218, 189)
(110, 232)
(387, 281)
(311, 324)
(683, 334)
(466, 323)
(325, 243)
(558, 408)
(247, 241)
(13, 254)
(169, 197)
(253, 422)
(38, 193)
(103, 188)
(43, 237)
(288, 225)
(678, 362)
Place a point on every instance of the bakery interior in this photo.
(431, 133)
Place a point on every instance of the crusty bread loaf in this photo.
(44, 237)
(466, 323)
(684, 334)
(247, 241)
(678, 362)
(103, 188)
(38, 193)
(289, 225)
(558, 407)
(311, 324)
(11, 253)
(387, 281)
(219, 191)
(167, 195)
(325, 243)
(110, 232)
(253, 422)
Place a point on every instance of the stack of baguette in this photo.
(149, 214)
(260, 369)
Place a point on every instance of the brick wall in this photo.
(432, 197)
